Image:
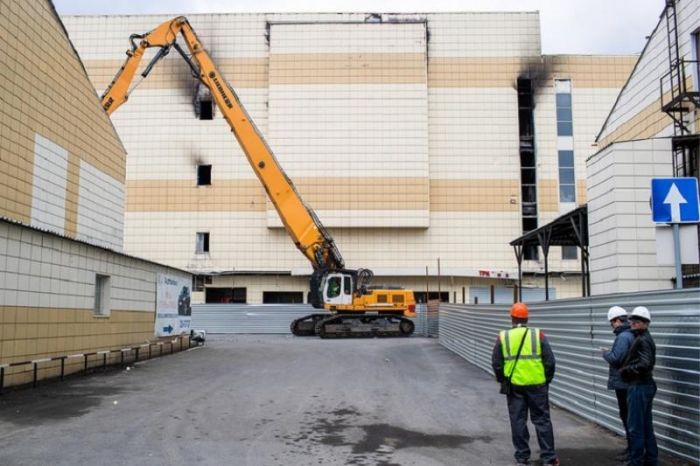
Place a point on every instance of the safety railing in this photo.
(102, 357)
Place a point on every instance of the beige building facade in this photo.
(66, 286)
(640, 141)
(404, 132)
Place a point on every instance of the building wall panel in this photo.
(621, 233)
(375, 126)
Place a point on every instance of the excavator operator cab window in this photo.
(334, 287)
(347, 285)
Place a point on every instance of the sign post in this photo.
(675, 201)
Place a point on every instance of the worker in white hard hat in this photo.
(637, 370)
(617, 316)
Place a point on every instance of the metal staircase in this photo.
(682, 105)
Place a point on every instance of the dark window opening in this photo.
(531, 253)
(225, 295)
(347, 285)
(528, 158)
(202, 245)
(528, 175)
(420, 296)
(200, 281)
(283, 297)
(203, 175)
(529, 224)
(197, 282)
(206, 109)
(569, 252)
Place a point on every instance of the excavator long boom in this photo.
(358, 310)
(307, 232)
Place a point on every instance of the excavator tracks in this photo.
(353, 326)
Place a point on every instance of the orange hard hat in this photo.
(519, 310)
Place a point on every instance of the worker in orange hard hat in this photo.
(524, 364)
(519, 310)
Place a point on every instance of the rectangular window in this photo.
(203, 175)
(531, 253)
(347, 285)
(225, 295)
(569, 252)
(102, 295)
(206, 109)
(565, 131)
(567, 176)
(197, 282)
(202, 245)
(565, 119)
(283, 297)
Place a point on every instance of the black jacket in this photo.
(497, 362)
(639, 363)
(616, 356)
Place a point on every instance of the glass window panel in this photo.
(569, 252)
(565, 128)
(563, 100)
(566, 158)
(566, 175)
(567, 193)
(564, 114)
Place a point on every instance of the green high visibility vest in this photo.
(529, 370)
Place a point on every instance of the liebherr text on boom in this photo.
(356, 308)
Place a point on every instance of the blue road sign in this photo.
(674, 200)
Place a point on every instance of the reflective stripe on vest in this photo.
(529, 370)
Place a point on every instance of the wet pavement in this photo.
(279, 400)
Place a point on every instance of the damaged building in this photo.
(425, 143)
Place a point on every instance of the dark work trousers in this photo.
(643, 449)
(621, 394)
(536, 401)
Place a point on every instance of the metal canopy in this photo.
(570, 229)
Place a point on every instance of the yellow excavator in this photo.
(356, 308)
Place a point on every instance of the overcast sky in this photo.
(568, 26)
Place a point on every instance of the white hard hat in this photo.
(641, 312)
(615, 312)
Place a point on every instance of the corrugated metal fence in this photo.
(275, 318)
(576, 328)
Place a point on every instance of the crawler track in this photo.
(353, 326)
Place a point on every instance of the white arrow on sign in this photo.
(675, 199)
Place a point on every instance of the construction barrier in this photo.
(576, 329)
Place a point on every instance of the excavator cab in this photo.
(337, 289)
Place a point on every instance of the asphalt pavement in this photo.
(282, 400)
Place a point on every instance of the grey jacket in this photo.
(616, 356)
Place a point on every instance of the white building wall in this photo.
(50, 177)
(451, 138)
(621, 233)
(40, 270)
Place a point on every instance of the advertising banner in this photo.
(173, 309)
